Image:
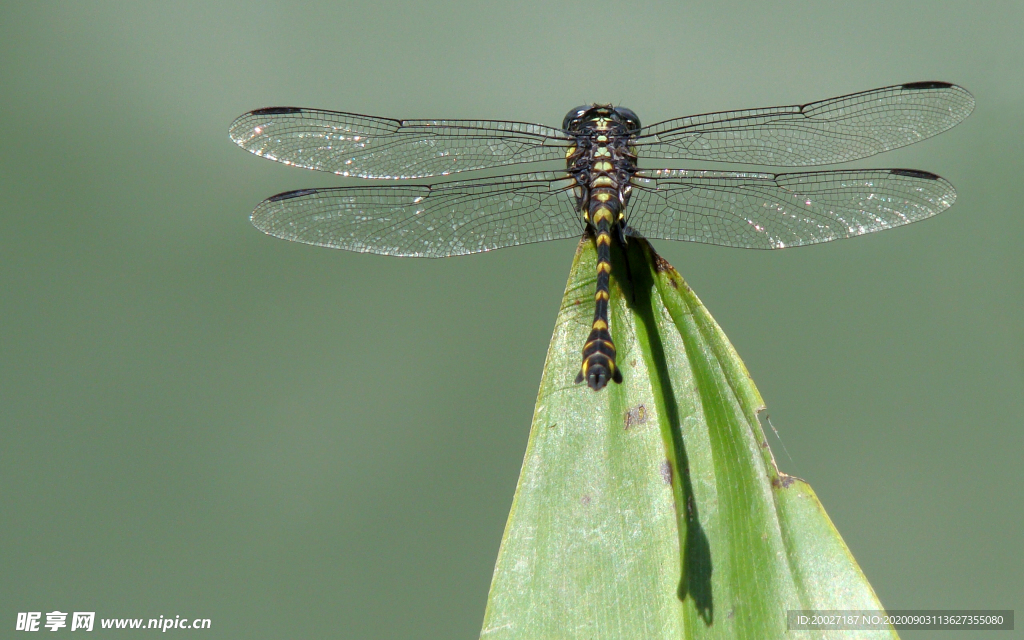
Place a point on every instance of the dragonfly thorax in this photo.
(602, 161)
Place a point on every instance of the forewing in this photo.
(349, 144)
(769, 211)
(449, 219)
(826, 132)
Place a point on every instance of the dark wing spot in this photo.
(914, 173)
(288, 195)
(274, 111)
(927, 85)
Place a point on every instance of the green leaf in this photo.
(654, 509)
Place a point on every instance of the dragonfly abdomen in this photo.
(599, 351)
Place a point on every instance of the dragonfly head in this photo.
(600, 117)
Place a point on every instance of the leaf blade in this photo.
(653, 509)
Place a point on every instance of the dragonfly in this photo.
(603, 192)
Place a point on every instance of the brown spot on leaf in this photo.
(783, 481)
(666, 472)
(585, 499)
(635, 416)
(660, 264)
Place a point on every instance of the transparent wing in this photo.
(368, 147)
(827, 132)
(768, 211)
(448, 219)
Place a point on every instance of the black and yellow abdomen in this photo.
(599, 351)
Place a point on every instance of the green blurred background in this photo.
(200, 420)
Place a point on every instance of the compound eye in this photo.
(574, 114)
(630, 118)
